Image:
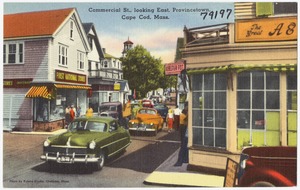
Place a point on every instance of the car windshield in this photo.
(145, 111)
(88, 125)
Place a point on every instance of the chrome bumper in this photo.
(141, 129)
(70, 159)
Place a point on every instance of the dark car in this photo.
(87, 140)
(113, 109)
(268, 167)
(162, 109)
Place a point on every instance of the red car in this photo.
(147, 103)
(268, 167)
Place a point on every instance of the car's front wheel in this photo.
(101, 160)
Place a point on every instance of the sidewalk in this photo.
(168, 175)
(39, 132)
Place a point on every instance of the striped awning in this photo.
(268, 67)
(217, 69)
(241, 68)
(78, 87)
(39, 92)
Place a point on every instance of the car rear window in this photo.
(90, 125)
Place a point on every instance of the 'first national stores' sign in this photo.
(174, 68)
(64, 76)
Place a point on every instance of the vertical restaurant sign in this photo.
(64, 76)
(17, 83)
(270, 29)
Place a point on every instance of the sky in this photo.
(116, 22)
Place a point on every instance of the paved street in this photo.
(23, 167)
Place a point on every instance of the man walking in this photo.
(177, 113)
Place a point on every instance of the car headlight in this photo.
(92, 145)
(151, 123)
(46, 143)
(132, 122)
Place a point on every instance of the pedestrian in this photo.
(72, 113)
(170, 120)
(67, 116)
(45, 112)
(78, 111)
(183, 152)
(89, 112)
(177, 113)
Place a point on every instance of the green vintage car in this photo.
(88, 140)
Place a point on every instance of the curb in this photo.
(37, 133)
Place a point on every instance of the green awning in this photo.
(242, 68)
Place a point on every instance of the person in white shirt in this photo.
(177, 113)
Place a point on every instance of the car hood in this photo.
(78, 138)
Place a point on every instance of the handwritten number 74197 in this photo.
(215, 14)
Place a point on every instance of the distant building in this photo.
(127, 46)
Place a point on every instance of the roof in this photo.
(40, 23)
(87, 27)
(128, 42)
(107, 56)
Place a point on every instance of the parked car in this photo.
(268, 166)
(114, 109)
(87, 140)
(147, 103)
(162, 109)
(147, 119)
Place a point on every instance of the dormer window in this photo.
(71, 29)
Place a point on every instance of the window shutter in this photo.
(264, 9)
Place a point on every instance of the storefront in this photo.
(243, 91)
(51, 99)
(108, 91)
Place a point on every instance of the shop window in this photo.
(13, 53)
(63, 55)
(209, 110)
(257, 107)
(292, 108)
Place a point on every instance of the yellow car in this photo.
(147, 119)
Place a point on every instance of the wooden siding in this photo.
(35, 62)
(244, 10)
(17, 110)
(75, 44)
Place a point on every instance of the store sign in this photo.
(231, 173)
(271, 29)
(64, 76)
(117, 86)
(174, 68)
(17, 83)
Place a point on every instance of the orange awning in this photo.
(78, 87)
(38, 92)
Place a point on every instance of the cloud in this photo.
(161, 42)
